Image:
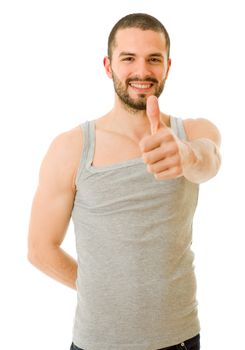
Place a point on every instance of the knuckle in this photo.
(175, 147)
(145, 157)
(150, 168)
(174, 171)
(177, 161)
(177, 171)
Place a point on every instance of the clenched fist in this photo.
(163, 152)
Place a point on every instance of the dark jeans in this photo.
(190, 344)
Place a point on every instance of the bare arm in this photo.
(197, 159)
(51, 209)
(201, 155)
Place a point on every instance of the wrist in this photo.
(190, 158)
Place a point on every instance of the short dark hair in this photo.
(142, 21)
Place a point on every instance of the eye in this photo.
(128, 59)
(155, 60)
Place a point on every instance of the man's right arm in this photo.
(51, 209)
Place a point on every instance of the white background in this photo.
(52, 79)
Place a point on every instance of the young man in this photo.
(130, 181)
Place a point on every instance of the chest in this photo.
(111, 148)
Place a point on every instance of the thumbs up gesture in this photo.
(162, 151)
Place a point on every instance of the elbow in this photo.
(206, 172)
(213, 170)
(36, 254)
(33, 256)
(41, 253)
(212, 165)
(216, 162)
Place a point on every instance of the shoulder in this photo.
(62, 158)
(202, 128)
(66, 143)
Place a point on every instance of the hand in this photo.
(162, 151)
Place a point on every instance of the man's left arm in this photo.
(167, 156)
(200, 154)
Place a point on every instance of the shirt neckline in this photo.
(118, 165)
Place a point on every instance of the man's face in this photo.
(139, 66)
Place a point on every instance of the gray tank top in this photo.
(136, 286)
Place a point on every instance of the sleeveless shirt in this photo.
(136, 285)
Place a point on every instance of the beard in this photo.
(139, 103)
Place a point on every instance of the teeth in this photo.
(141, 86)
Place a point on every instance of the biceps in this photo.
(50, 216)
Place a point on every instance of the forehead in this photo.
(136, 40)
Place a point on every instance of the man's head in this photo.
(138, 59)
(141, 21)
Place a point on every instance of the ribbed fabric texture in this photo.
(136, 286)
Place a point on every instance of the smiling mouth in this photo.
(141, 86)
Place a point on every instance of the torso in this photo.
(112, 147)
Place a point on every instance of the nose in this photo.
(142, 69)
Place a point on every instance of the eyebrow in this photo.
(124, 53)
(157, 54)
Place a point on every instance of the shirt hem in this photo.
(149, 344)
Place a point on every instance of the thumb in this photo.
(153, 113)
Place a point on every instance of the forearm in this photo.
(201, 160)
(56, 263)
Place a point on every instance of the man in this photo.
(129, 180)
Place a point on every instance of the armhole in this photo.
(178, 126)
(82, 161)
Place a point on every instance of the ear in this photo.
(107, 65)
(168, 65)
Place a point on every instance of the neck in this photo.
(132, 123)
(128, 120)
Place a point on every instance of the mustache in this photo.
(150, 79)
